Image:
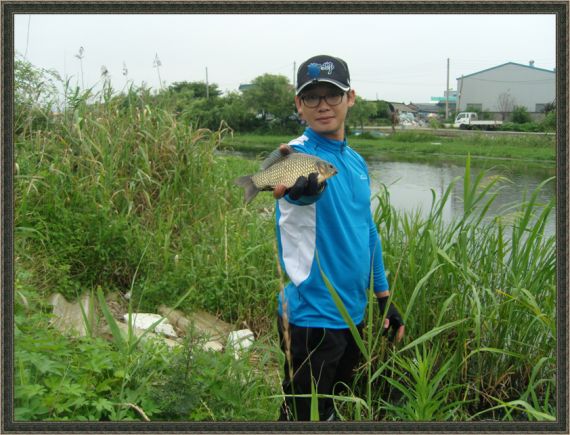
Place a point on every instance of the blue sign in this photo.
(451, 98)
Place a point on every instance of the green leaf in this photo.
(433, 333)
(118, 338)
(102, 404)
(494, 350)
(314, 403)
(416, 291)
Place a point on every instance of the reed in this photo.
(105, 181)
(478, 300)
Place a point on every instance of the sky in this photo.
(399, 58)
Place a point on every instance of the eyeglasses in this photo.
(314, 100)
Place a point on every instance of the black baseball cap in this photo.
(323, 68)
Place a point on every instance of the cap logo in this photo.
(314, 69)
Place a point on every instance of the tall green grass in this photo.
(105, 181)
(478, 301)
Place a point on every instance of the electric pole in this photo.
(294, 71)
(447, 93)
(207, 90)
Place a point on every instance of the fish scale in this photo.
(279, 169)
(286, 171)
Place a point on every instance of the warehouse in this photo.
(499, 89)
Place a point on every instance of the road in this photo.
(454, 131)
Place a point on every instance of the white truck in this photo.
(469, 121)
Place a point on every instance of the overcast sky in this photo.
(391, 57)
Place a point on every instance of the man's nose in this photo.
(323, 103)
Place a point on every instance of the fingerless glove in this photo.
(393, 315)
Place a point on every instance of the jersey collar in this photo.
(324, 142)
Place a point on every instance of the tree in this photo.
(549, 107)
(520, 115)
(197, 89)
(505, 104)
(188, 101)
(236, 114)
(382, 109)
(361, 112)
(35, 95)
(271, 95)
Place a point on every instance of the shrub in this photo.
(520, 115)
(549, 121)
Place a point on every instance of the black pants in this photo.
(325, 357)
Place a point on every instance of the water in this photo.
(410, 184)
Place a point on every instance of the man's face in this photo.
(326, 119)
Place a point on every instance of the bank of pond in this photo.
(539, 149)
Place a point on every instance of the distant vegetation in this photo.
(409, 144)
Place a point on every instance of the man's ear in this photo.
(351, 97)
(299, 106)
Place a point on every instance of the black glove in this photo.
(306, 187)
(393, 315)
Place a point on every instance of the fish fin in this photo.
(247, 183)
(274, 157)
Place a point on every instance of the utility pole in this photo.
(28, 37)
(207, 87)
(447, 93)
(294, 71)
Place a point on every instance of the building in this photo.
(402, 108)
(424, 110)
(499, 89)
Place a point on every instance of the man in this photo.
(394, 117)
(331, 223)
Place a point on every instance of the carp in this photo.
(284, 169)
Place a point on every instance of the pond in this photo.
(410, 180)
(410, 183)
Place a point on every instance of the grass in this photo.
(121, 196)
(407, 144)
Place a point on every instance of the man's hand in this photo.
(303, 186)
(393, 319)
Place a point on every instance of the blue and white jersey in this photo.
(338, 225)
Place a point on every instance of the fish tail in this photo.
(250, 190)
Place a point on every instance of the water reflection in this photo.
(410, 185)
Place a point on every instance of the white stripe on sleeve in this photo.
(297, 226)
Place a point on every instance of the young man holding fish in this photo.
(326, 226)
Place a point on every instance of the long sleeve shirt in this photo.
(337, 226)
